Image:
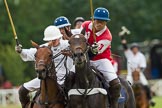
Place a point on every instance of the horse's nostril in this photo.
(40, 70)
(81, 54)
(75, 55)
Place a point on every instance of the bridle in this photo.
(82, 54)
(48, 68)
(49, 72)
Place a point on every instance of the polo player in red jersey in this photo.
(99, 38)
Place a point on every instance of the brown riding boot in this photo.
(114, 89)
(23, 96)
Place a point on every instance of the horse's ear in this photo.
(34, 44)
(83, 31)
(50, 44)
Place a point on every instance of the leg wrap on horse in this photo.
(114, 89)
(148, 91)
(149, 95)
(23, 96)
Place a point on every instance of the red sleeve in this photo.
(85, 24)
(109, 35)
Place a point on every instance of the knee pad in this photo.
(23, 92)
(115, 88)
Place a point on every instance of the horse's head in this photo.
(136, 76)
(78, 48)
(43, 60)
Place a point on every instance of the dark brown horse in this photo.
(86, 79)
(86, 91)
(139, 91)
(50, 96)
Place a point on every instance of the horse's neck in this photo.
(84, 76)
(49, 88)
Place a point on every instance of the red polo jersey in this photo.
(103, 38)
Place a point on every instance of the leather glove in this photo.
(66, 52)
(94, 48)
(18, 48)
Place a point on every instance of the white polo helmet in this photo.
(51, 33)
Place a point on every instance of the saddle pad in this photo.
(123, 96)
(89, 91)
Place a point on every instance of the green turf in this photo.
(158, 101)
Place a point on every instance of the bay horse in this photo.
(142, 100)
(50, 95)
(87, 85)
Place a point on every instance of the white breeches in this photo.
(143, 79)
(32, 85)
(103, 65)
(35, 83)
(106, 68)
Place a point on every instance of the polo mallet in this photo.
(12, 24)
(93, 29)
(124, 31)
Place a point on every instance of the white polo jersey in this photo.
(134, 62)
(28, 55)
(76, 31)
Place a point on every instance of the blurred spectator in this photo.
(77, 25)
(7, 84)
(78, 22)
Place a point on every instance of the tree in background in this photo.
(31, 17)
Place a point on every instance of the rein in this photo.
(49, 70)
(46, 102)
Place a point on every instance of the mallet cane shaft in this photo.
(93, 29)
(12, 24)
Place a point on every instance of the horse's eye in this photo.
(35, 55)
(69, 42)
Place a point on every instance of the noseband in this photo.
(48, 68)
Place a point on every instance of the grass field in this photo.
(158, 101)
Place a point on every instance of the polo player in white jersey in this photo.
(51, 35)
(64, 26)
(136, 61)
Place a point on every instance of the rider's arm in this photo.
(127, 51)
(103, 45)
(142, 64)
(124, 44)
(28, 54)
